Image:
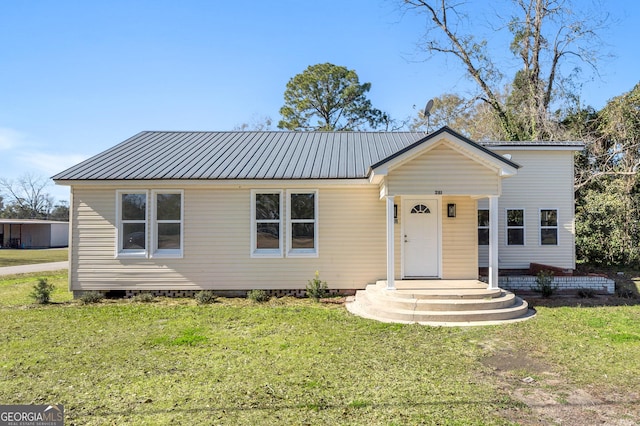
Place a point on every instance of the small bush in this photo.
(145, 297)
(258, 295)
(205, 297)
(317, 289)
(544, 284)
(625, 293)
(42, 291)
(586, 293)
(91, 297)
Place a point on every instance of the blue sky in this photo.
(77, 77)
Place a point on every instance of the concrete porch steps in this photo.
(439, 302)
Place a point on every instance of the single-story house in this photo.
(233, 211)
(33, 233)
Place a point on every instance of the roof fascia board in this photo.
(443, 130)
(236, 183)
(468, 148)
(534, 148)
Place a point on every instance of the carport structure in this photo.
(33, 233)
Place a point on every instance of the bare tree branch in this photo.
(28, 195)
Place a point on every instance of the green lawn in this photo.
(292, 361)
(12, 257)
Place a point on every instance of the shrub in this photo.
(317, 289)
(544, 284)
(586, 293)
(91, 297)
(258, 295)
(625, 293)
(145, 297)
(205, 297)
(42, 291)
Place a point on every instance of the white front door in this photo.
(421, 243)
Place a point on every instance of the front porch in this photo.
(439, 302)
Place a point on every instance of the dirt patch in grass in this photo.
(551, 399)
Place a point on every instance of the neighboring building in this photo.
(33, 233)
(181, 211)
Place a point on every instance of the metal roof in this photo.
(242, 155)
(152, 155)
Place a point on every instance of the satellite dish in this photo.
(427, 112)
(427, 109)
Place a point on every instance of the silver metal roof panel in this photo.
(256, 155)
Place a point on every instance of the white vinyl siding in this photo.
(459, 239)
(545, 179)
(217, 236)
(443, 170)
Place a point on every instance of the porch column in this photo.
(493, 242)
(390, 245)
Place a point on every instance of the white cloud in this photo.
(10, 138)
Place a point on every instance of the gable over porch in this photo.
(431, 190)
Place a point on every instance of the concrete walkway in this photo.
(36, 267)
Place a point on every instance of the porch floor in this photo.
(439, 302)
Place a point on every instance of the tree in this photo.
(27, 197)
(550, 40)
(60, 211)
(257, 123)
(607, 224)
(608, 192)
(328, 97)
(471, 119)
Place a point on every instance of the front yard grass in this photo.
(14, 257)
(292, 361)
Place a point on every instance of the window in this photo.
(549, 227)
(483, 227)
(515, 227)
(302, 226)
(149, 226)
(266, 214)
(132, 223)
(420, 209)
(167, 224)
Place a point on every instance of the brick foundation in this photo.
(221, 293)
(527, 282)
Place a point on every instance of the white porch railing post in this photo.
(390, 245)
(493, 242)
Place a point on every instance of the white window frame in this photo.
(507, 227)
(131, 253)
(297, 252)
(255, 251)
(557, 227)
(166, 253)
(483, 227)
